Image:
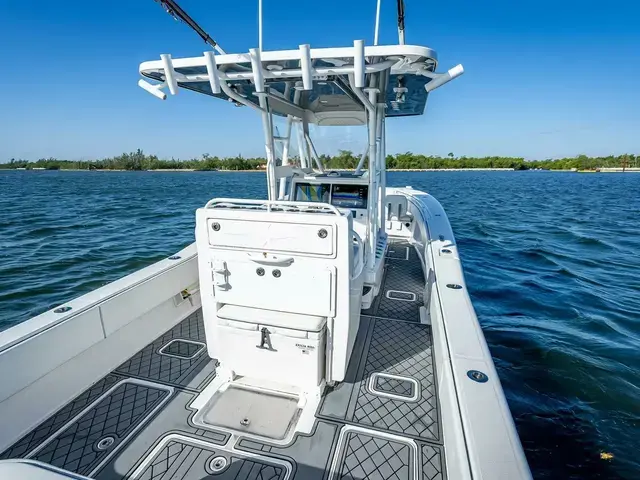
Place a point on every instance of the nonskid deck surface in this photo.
(381, 423)
(401, 291)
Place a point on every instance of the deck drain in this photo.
(175, 257)
(454, 286)
(217, 464)
(245, 422)
(62, 309)
(105, 443)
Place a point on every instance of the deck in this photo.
(383, 422)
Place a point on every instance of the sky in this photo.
(543, 79)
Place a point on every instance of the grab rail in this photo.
(358, 239)
(300, 207)
(273, 260)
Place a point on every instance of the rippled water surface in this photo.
(552, 262)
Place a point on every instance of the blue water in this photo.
(552, 262)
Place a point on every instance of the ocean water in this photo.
(552, 263)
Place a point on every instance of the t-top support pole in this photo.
(373, 184)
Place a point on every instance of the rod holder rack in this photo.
(354, 66)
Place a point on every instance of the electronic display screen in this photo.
(339, 195)
(349, 196)
(308, 192)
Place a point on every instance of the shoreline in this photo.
(170, 170)
(262, 170)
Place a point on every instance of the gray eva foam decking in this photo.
(400, 294)
(382, 422)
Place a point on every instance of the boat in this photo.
(325, 332)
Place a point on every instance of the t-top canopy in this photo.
(323, 85)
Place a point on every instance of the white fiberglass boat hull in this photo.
(143, 336)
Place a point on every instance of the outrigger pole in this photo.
(173, 9)
(401, 22)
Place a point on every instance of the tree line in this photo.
(345, 159)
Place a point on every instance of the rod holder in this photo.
(153, 89)
(305, 65)
(440, 80)
(256, 66)
(358, 63)
(212, 71)
(169, 73)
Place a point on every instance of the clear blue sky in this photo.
(543, 78)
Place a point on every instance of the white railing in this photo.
(273, 205)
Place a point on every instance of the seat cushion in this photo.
(294, 321)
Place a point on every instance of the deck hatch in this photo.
(365, 454)
(394, 386)
(254, 413)
(398, 251)
(152, 364)
(85, 443)
(180, 348)
(188, 458)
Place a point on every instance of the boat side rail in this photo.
(97, 298)
(273, 205)
(61, 352)
(463, 358)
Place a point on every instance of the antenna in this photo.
(375, 33)
(260, 25)
(401, 22)
(173, 9)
